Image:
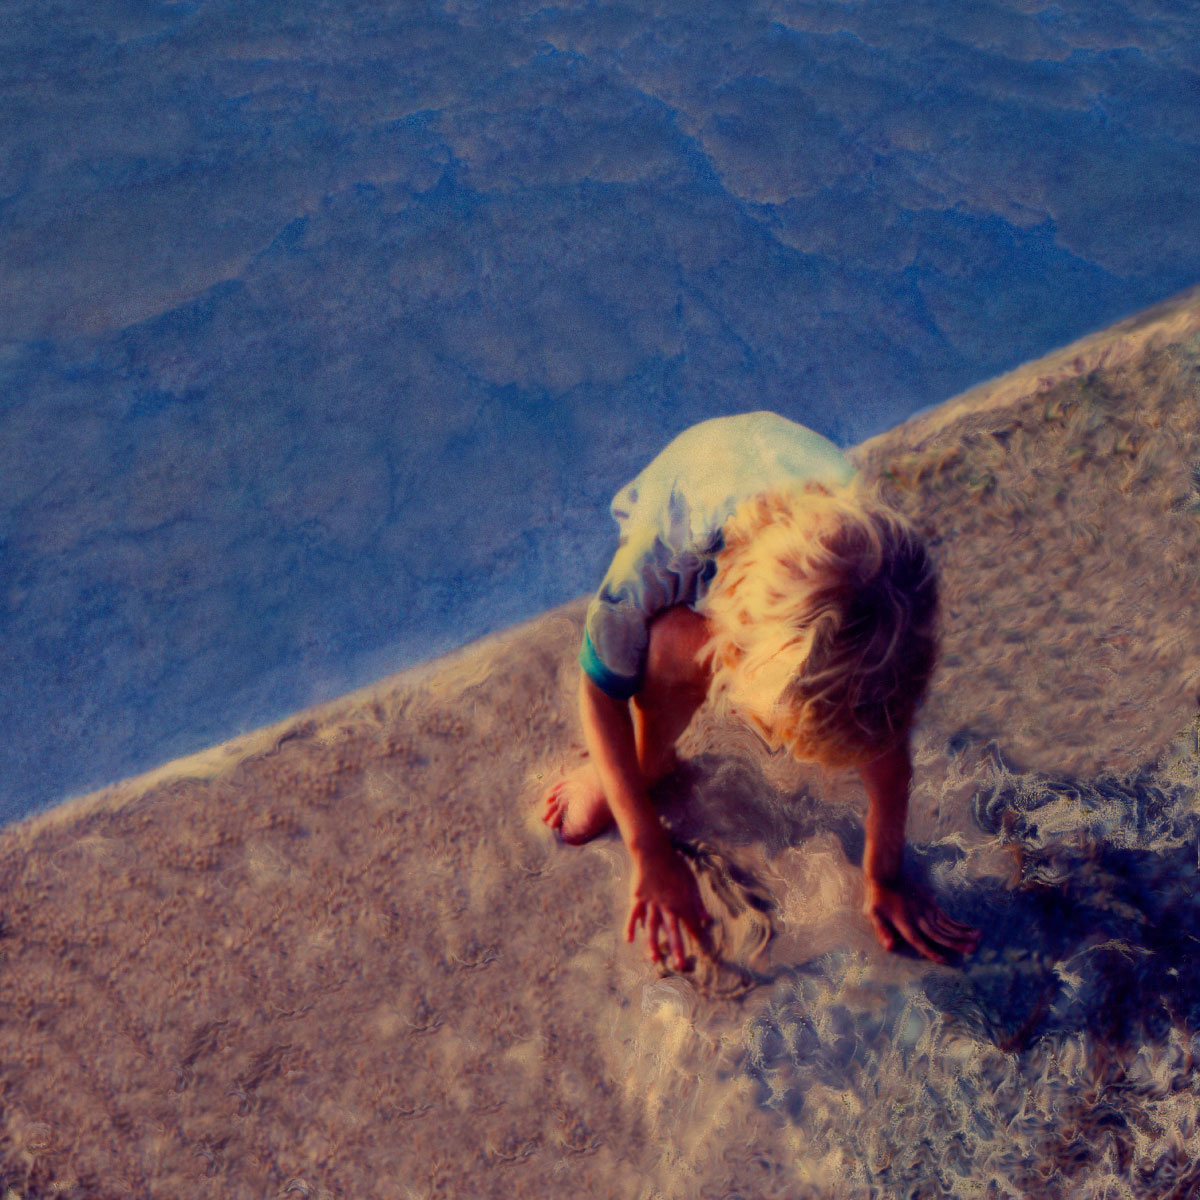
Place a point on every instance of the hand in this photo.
(901, 910)
(664, 896)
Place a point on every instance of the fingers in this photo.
(960, 938)
(653, 925)
(944, 930)
(914, 934)
(905, 927)
(964, 935)
(676, 940)
(892, 919)
(661, 924)
(933, 938)
(915, 919)
(946, 925)
(636, 914)
(554, 808)
(643, 913)
(883, 931)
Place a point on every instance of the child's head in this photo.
(824, 611)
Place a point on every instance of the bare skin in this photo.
(899, 911)
(631, 746)
(575, 805)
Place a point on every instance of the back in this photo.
(694, 485)
(671, 517)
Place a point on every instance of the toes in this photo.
(551, 800)
(569, 835)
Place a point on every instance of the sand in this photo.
(341, 957)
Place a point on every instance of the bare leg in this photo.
(674, 687)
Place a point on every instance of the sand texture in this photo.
(341, 957)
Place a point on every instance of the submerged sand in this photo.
(341, 957)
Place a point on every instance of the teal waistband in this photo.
(619, 687)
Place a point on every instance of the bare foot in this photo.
(575, 806)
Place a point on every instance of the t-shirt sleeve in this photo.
(645, 578)
(613, 655)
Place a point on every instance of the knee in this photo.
(673, 656)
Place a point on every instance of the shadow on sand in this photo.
(1064, 1048)
(1099, 931)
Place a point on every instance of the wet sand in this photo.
(341, 957)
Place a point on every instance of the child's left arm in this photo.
(895, 907)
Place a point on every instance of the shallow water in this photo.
(327, 332)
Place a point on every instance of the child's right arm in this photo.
(664, 892)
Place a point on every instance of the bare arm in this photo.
(664, 892)
(897, 909)
(608, 731)
(887, 780)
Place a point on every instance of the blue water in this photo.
(327, 330)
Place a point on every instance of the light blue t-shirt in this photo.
(671, 517)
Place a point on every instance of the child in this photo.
(755, 569)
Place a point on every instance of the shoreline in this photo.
(342, 956)
(1170, 322)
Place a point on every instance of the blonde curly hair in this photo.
(824, 609)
